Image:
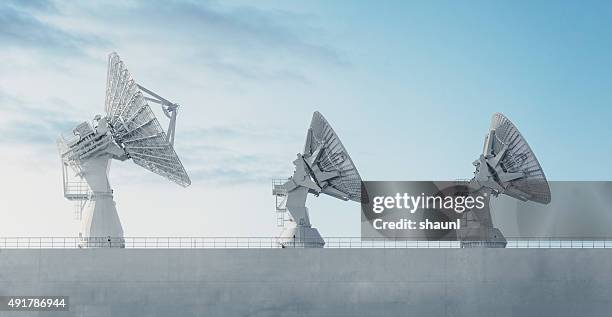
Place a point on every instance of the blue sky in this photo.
(409, 86)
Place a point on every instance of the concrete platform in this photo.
(314, 282)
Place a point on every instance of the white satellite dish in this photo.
(128, 131)
(507, 166)
(324, 167)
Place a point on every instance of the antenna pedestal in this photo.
(100, 225)
(483, 237)
(300, 237)
(300, 234)
(477, 230)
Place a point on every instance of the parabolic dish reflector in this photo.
(135, 127)
(519, 158)
(332, 157)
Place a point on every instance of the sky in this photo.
(408, 86)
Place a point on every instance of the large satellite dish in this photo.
(129, 130)
(135, 126)
(324, 167)
(507, 166)
(330, 165)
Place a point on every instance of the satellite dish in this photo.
(135, 126)
(129, 130)
(507, 166)
(324, 167)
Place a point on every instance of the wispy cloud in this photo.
(26, 123)
(21, 26)
(240, 41)
(228, 155)
(203, 24)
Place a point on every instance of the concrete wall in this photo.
(325, 282)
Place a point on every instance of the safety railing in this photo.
(272, 243)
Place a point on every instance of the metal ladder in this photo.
(280, 196)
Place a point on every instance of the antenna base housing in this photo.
(300, 237)
(483, 237)
(100, 226)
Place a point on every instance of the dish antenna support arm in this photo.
(169, 108)
(298, 187)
